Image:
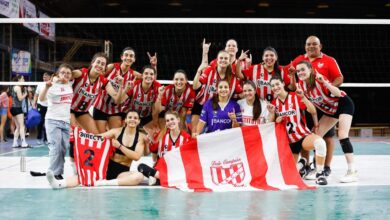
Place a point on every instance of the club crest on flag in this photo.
(228, 172)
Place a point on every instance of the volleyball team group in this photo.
(142, 117)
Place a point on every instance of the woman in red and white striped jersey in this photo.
(261, 73)
(142, 96)
(86, 87)
(288, 108)
(106, 111)
(208, 78)
(178, 97)
(337, 107)
(168, 139)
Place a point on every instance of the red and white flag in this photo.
(246, 158)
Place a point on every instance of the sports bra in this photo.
(120, 137)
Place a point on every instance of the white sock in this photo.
(319, 168)
(351, 167)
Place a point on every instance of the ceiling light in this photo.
(387, 4)
(249, 11)
(310, 12)
(371, 15)
(123, 11)
(263, 4)
(175, 3)
(322, 6)
(113, 4)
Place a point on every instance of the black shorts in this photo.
(310, 123)
(145, 120)
(114, 169)
(71, 149)
(78, 114)
(196, 109)
(16, 111)
(101, 116)
(346, 106)
(297, 146)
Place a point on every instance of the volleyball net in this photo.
(361, 47)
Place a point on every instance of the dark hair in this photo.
(127, 48)
(276, 65)
(182, 72)
(256, 104)
(148, 67)
(312, 77)
(4, 88)
(215, 97)
(99, 54)
(17, 77)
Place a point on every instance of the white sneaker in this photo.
(350, 177)
(152, 181)
(52, 180)
(311, 175)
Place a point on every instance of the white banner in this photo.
(9, 8)
(28, 10)
(47, 30)
(21, 62)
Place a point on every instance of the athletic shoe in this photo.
(15, 146)
(327, 171)
(321, 179)
(25, 146)
(39, 142)
(58, 177)
(301, 166)
(5, 140)
(152, 181)
(350, 177)
(52, 180)
(311, 175)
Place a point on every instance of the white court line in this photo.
(14, 151)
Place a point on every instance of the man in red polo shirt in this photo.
(328, 67)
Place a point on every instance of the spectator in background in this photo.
(27, 105)
(42, 108)
(4, 101)
(18, 94)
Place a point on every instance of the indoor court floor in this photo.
(25, 197)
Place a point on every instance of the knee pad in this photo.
(346, 145)
(320, 147)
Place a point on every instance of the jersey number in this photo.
(88, 161)
(83, 105)
(290, 127)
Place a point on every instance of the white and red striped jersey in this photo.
(262, 79)
(292, 110)
(321, 97)
(171, 101)
(104, 101)
(85, 92)
(91, 154)
(140, 100)
(209, 80)
(167, 143)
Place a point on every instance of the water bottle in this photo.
(22, 164)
